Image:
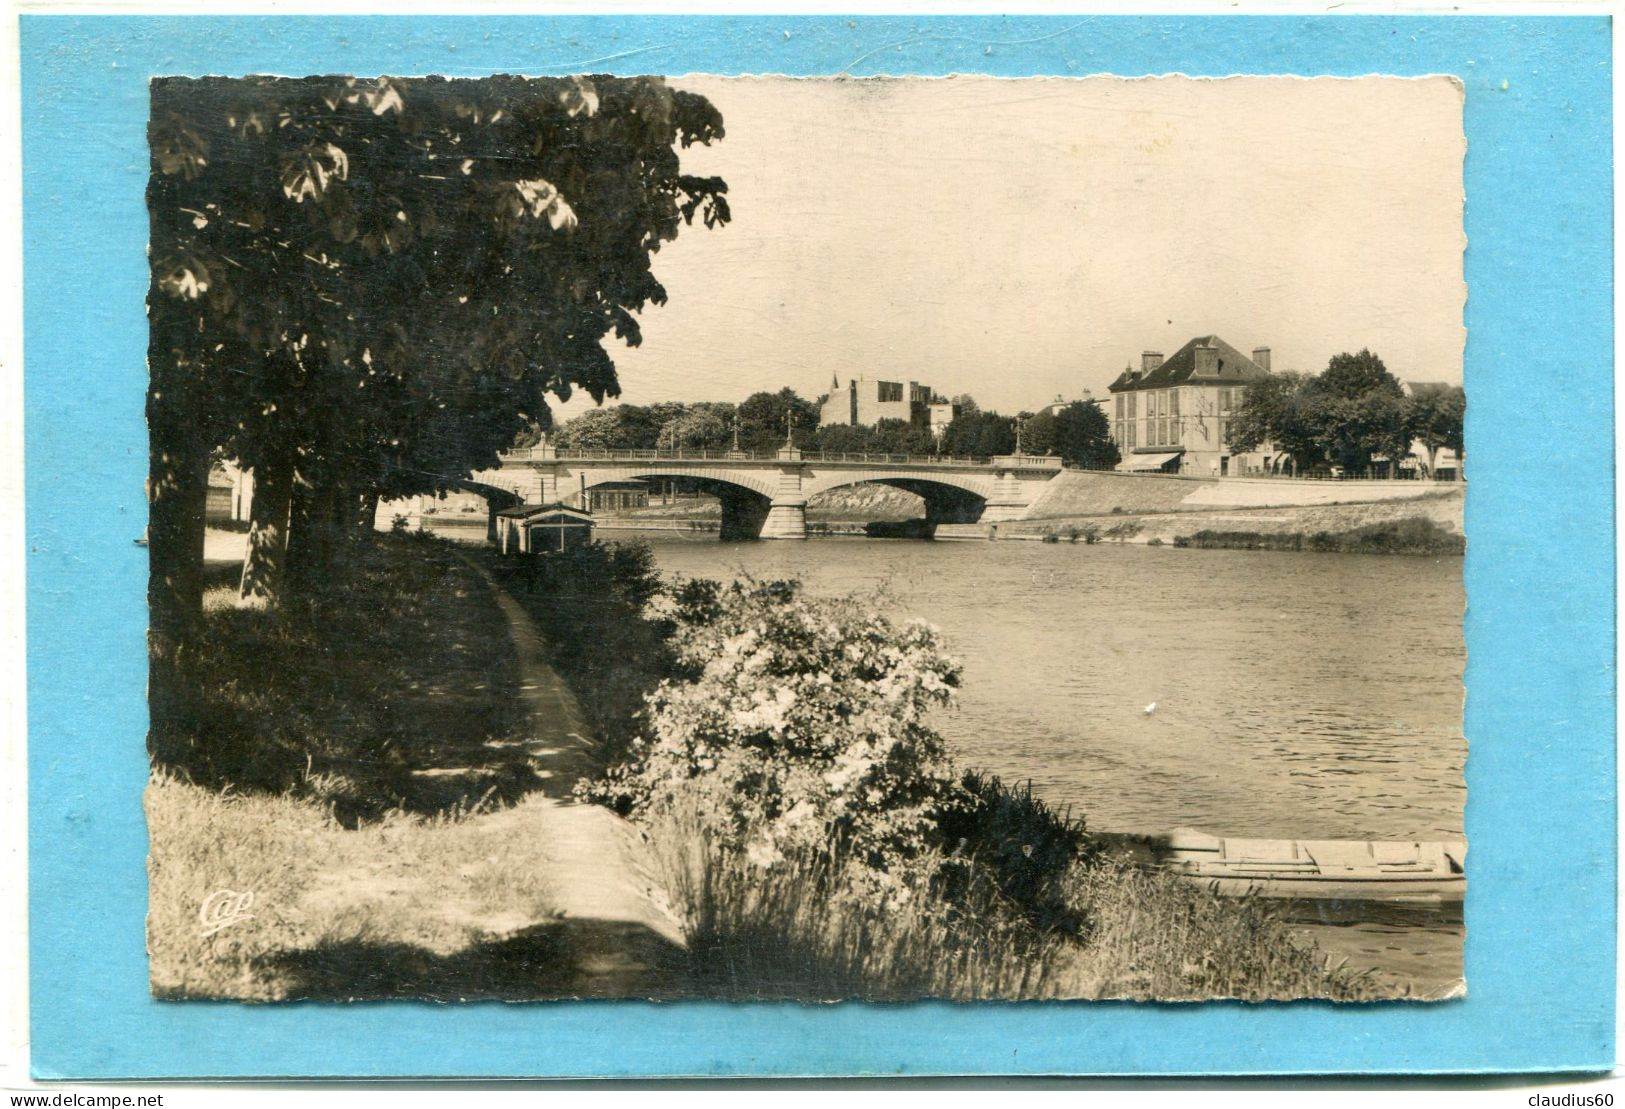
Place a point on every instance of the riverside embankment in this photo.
(1142, 507)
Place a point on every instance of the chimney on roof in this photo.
(1207, 360)
(1150, 360)
(1261, 355)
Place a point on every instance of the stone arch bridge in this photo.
(765, 495)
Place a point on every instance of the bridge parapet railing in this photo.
(687, 454)
(891, 459)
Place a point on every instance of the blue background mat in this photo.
(1540, 564)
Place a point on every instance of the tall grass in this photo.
(1155, 936)
(335, 911)
(203, 841)
(807, 929)
(810, 929)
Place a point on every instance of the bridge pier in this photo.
(787, 514)
(785, 521)
(1011, 496)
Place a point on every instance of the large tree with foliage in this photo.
(977, 434)
(894, 436)
(366, 288)
(1351, 376)
(1362, 411)
(1283, 410)
(597, 429)
(1078, 432)
(1358, 430)
(1348, 415)
(706, 425)
(764, 418)
(1438, 417)
(619, 427)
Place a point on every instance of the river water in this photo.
(1246, 693)
(1299, 696)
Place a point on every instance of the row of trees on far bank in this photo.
(366, 289)
(1079, 432)
(761, 422)
(1349, 415)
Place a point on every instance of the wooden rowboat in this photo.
(1343, 870)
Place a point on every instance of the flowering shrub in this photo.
(793, 724)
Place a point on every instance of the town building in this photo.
(864, 403)
(231, 494)
(1174, 416)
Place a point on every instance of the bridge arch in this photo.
(746, 498)
(975, 484)
(949, 498)
(712, 476)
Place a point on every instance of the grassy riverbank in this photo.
(387, 689)
(359, 767)
(799, 932)
(333, 910)
(327, 757)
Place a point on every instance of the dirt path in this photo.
(596, 924)
(624, 939)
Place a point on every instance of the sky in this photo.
(1019, 240)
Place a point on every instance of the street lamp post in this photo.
(788, 451)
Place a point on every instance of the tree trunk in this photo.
(321, 535)
(178, 493)
(341, 541)
(304, 538)
(366, 524)
(266, 559)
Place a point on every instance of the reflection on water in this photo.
(1296, 696)
(1299, 696)
(1416, 946)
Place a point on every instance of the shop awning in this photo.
(1143, 462)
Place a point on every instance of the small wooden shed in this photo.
(534, 528)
